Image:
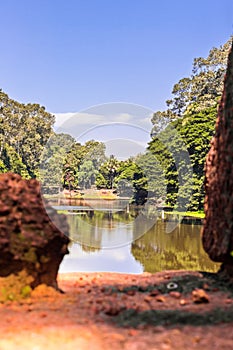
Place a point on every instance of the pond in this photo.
(108, 235)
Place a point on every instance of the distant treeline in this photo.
(30, 147)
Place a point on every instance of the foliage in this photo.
(11, 161)
(24, 131)
(192, 113)
(81, 164)
(195, 130)
(200, 91)
(87, 174)
(171, 153)
(126, 177)
(52, 161)
(29, 147)
(107, 173)
(131, 182)
(153, 174)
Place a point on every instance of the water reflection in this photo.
(180, 249)
(105, 223)
(96, 229)
(110, 260)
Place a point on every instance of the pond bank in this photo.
(191, 218)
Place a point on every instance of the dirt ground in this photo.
(167, 310)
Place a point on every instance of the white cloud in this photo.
(123, 118)
(64, 120)
(78, 119)
(126, 127)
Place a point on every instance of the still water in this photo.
(109, 236)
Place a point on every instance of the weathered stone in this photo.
(28, 239)
(217, 234)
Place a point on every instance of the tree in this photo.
(80, 158)
(191, 113)
(107, 173)
(95, 151)
(132, 182)
(52, 161)
(12, 162)
(200, 91)
(190, 136)
(25, 128)
(197, 130)
(153, 172)
(87, 174)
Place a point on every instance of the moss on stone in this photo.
(30, 255)
(15, 286)
(44, 259)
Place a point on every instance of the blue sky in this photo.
(71, 55)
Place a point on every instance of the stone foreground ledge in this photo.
(29, 240)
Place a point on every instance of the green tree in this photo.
(95, 151)
(12, 162)
(132, 182)
(191, 113)
(87, 174)
(153, 172)
(169, 150)
(79, 159)
(26, 128)
(201, 90)
(193, 133)
(52, 161)
(197, 130)
(107, 173)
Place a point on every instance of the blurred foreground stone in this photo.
(217, 235)
(29, 241)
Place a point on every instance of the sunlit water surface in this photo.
(108, 236)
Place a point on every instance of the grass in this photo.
(194, 214)
(99, 196)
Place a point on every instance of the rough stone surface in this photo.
(28, 239)
(217, 235)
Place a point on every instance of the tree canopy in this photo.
(24, 131)
(192, 113)
(201, 90)
(30, 147)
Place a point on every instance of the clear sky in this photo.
(70, 55)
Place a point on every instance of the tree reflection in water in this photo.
(156, 250)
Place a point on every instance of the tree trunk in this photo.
(217, 234)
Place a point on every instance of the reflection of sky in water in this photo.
(112, 260)
(155, 251)
(107, 231)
